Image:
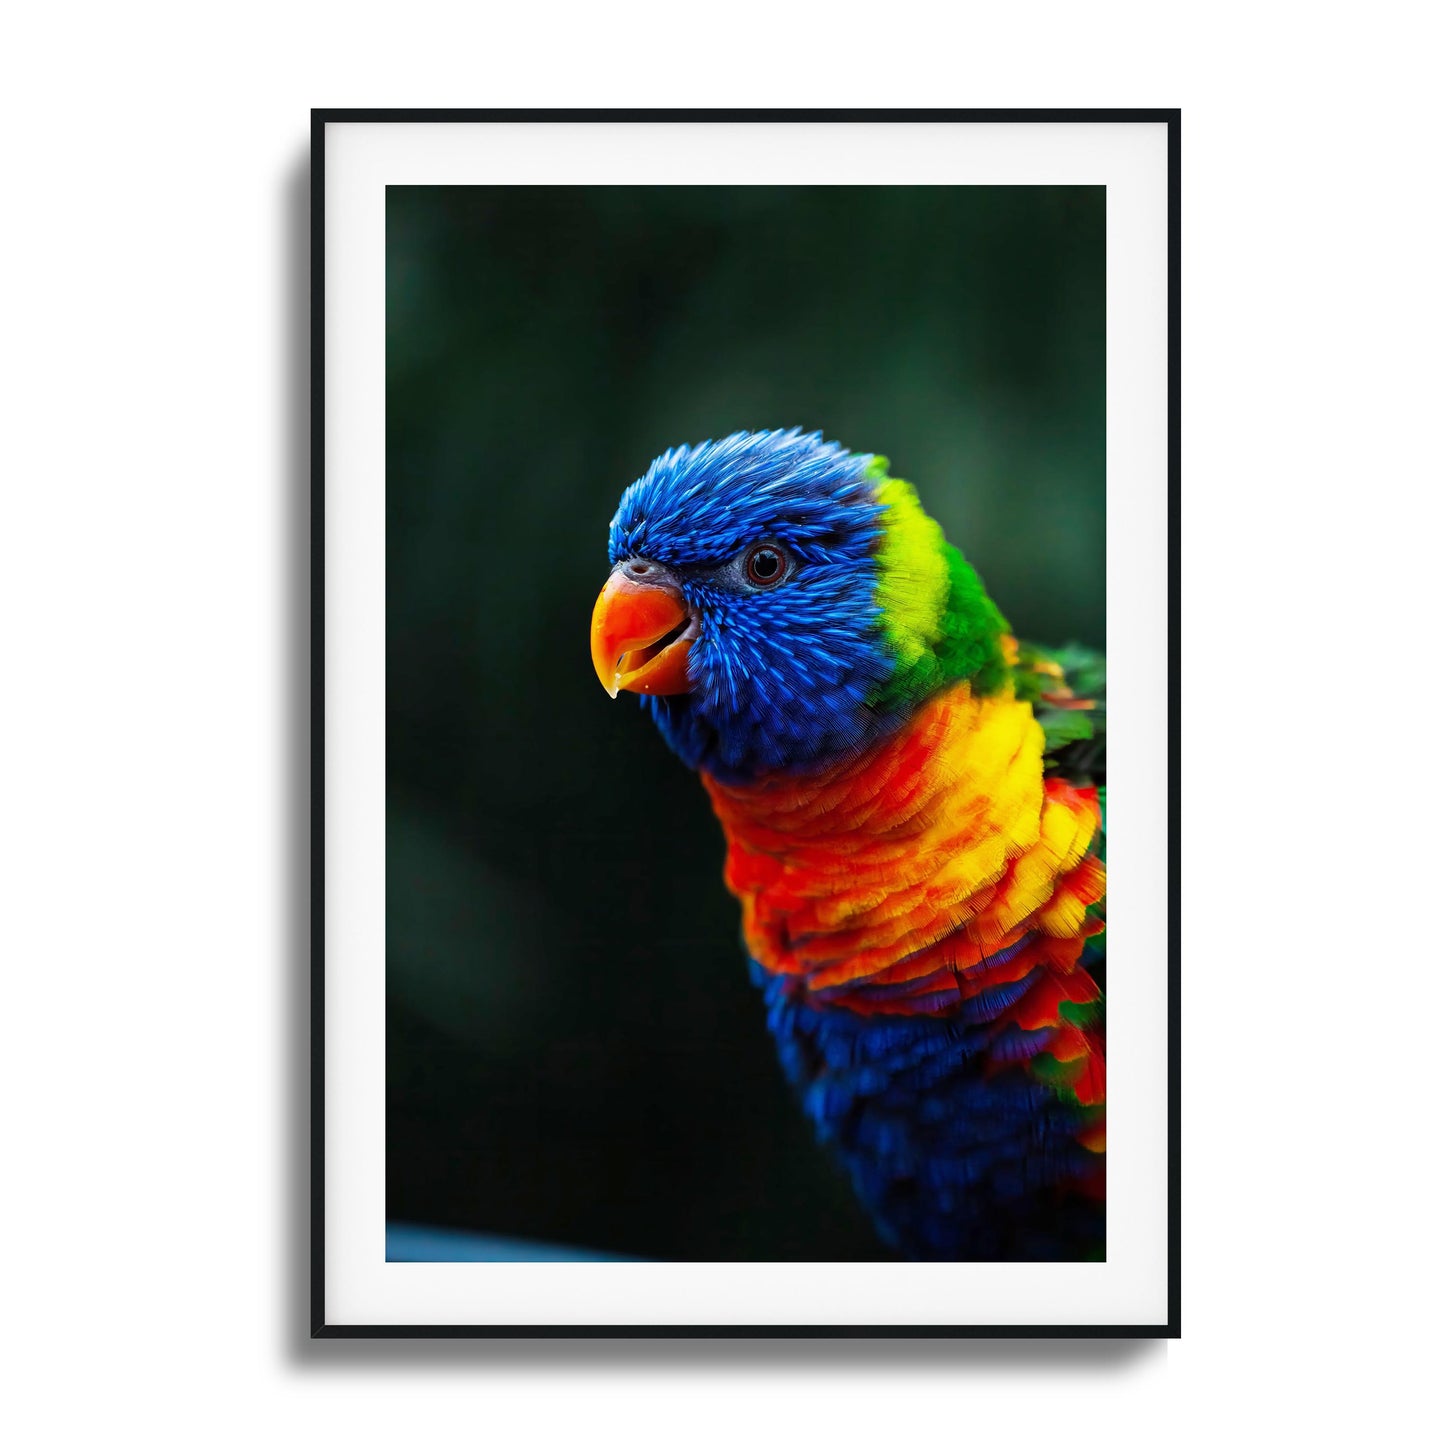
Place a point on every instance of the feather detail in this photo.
(913, 803)
(918, 918)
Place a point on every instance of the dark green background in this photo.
(574, 1051)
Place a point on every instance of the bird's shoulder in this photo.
(1066, 687)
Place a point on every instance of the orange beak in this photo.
(636, 645)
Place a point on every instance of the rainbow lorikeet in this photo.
(913, 806)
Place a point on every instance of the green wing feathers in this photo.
(1066, 686)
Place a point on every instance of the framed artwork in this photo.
(721, 522)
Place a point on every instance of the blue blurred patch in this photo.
(423, 1244)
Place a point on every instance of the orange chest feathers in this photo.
(938, 863)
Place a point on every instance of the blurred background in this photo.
(574, 1053)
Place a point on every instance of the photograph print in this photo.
(746, 800)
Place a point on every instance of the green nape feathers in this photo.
(940, 623)
(942, 628)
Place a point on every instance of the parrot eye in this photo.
(766, 564)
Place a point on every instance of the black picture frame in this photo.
(320, 1328)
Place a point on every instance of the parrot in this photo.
(913, 806)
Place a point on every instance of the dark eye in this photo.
(766, 564)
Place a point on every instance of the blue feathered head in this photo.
(778, 601)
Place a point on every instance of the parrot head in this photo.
(779, 603)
